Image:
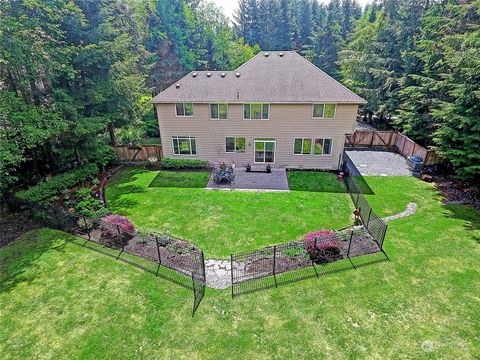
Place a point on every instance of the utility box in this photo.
(415, 163)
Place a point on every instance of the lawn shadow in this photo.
(19, 261)
(468, 214)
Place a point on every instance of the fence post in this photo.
(56, 217)
(159, 257)
(313, 259)
(86, 227)
(369, 213)
(348, 251)
(274, 263)
(120, 240)
(231, 272)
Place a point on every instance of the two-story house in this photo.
(277, 108)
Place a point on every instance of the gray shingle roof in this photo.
(289, 78)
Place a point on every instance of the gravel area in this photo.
(380, 163)
(361, 126)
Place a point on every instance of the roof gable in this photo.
(274, 77)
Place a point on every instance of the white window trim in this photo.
(274, 151)
(323, 115)
(303, 138)
(183, 104)
(216, 119)
(235, 145)
(250, 104)
(323, 146)
(190, 139)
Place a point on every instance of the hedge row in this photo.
(44, 191)
(184, 164)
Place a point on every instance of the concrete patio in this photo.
(256, 181)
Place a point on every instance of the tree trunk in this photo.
(111, 131)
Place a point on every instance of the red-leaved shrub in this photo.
(110, 230)
(322, 246)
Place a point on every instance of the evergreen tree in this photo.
(284, 34)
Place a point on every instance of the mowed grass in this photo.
(222, 222)
(59, 300)
(181, 179)
(315, 181)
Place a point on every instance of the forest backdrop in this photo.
(77, 76)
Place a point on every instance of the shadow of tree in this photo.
(19, 260)
(468, 214)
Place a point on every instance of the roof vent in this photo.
(209, 74)
(194, 75)
(266, 54)
(237, 74)
(177, 85)
(222, 74)
(281, 54)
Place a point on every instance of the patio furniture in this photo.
(223, 176)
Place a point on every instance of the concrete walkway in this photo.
(257, 181)
(380, 163)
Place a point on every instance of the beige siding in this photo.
(287, 122)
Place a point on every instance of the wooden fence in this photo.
(125, 153)
(393, 140)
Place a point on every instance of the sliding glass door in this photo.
(264, 150)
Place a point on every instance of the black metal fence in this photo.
(324, 253)
(356, 188)
(173, 259)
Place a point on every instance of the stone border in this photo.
(410, 210)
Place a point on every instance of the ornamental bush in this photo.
(111, 236)
(322, 246)
(45, 191)
(184, 164)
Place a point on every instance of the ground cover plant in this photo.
(46, 190)
(222, 222)
(423, 304)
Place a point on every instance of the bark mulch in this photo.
(12, 225)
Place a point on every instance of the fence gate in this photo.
(198, 283)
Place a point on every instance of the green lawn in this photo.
(315, 181)
(181, 179)
(59, 300)
(222, 222)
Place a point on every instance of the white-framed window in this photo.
(234, 144)
(256, 111)
(325, 111)
(323, 146)
(302, 146)
(184, 145)
(219, 111)
(183, 109)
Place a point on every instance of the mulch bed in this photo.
(13, 225)
(456, 191)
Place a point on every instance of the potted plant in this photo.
(268, 169)
(248, 167)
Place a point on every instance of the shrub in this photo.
(152, 163)
(88, 205)
(184, 164)
(322, 246)
(109, 230)
(45, 191)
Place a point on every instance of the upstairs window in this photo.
(255, 111)
(234, 145)
(322, 147)
(184, 109)
(326, 111)
(184, 145)
(302, 146)
(218, 111)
